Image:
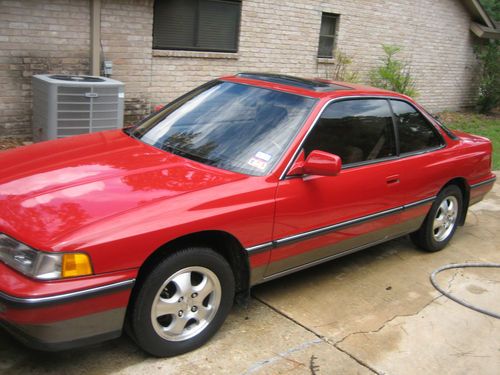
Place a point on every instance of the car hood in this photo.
(50, 189)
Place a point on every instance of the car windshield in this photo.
(232, 126)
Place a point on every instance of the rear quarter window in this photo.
(415, 132)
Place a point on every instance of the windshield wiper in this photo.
(169, 148)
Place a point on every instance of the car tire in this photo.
(441, 221)
(182, 302)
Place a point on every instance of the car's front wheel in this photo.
(441, 221)
(182, 302)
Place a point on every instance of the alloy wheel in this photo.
(445, 218)
(186, 303)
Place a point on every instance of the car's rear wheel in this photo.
(441, 221)
(182, 302)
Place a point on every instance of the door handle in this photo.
(391, 180)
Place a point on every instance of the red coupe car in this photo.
(247, 178)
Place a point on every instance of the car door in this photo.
(320, 217)
(424, 159)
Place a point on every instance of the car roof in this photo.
(315, 87)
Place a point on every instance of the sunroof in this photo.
(309, 84)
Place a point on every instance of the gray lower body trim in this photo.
(66, 297)
(70, 333)
(335, 227)
(488, 181)
(326, 259)
(419, 203)
(340, 248)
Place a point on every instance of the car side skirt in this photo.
(410, 219)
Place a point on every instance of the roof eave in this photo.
(485, 32)
(478, 13)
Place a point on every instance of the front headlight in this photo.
(41, 265)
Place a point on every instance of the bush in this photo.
(489, 78)
(341, 69)
(394, 74)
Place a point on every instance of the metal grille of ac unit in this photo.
(64, 106)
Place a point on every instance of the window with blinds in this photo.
(327, 33)
(196, 25)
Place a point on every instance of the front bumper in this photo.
(82, 312)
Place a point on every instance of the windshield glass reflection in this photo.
(231, 126)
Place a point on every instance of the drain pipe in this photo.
(95, 37)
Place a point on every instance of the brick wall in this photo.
(276, 36)
(127, 38)
(37, 37)
(283, 37)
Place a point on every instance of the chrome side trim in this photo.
(326, 259)
(66, 296)
(334, 227)
(486, 182)
(386, 97)
(419, 203)
(316, 232)
(260, 248)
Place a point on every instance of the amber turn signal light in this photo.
(76, 265)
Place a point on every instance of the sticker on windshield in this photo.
(263, 156)
(257, 163)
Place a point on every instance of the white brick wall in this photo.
(275, 36)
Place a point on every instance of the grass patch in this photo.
(485, 125)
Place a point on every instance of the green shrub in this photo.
(489, 77)
(341, 70)
(394, 74)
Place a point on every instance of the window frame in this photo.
(336, 17)
(196, 29)
(398, 156)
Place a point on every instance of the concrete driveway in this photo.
(370, 312)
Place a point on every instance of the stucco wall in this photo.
(275, 36)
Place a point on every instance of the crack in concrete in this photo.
(359, 361)
(457, 271)
(386, 322)
(397, 315)
(337, 344)
(321, 337)
(283, 355)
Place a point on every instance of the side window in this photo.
(356, 130)
(415, 132)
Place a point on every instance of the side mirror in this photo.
(318, 163)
